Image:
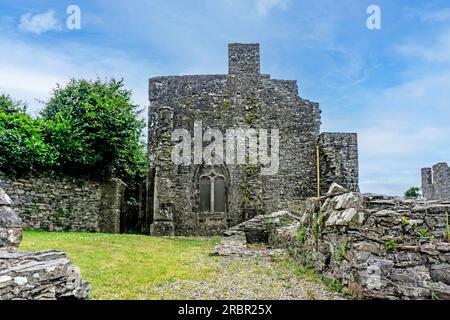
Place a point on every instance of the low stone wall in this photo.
(377, 246)
(33, 275)
(61, 203)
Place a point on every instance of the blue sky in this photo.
(391, 86)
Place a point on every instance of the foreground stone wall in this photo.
(33, 275)
(377, 246)
(61, 203)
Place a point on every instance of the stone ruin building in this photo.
(436, 182)
(208, 197)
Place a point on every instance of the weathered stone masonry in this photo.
(42, 275)
(378, 247)
(61, 203)
(339, 160)
(436, 182)
(244, 98)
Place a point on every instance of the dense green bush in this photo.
(87, 128)
(22, 144)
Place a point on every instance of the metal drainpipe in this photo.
(318, 170)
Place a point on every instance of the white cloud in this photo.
(427, 15)
(436, 16)
(33, 71)
(39, 23)
(404, 129)
(263, 7)
(391, 138)
(436, 49)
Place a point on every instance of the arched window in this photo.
(212, 192)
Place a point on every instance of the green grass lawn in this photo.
(128, 266)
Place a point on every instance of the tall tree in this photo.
(96, 129)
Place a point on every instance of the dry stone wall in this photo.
(377, 246)
(39, 275)
(61, 203)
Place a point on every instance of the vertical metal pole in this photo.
(212, 194)
(318, 170)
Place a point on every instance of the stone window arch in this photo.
(212, 189)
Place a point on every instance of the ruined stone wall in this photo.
(111, 205)
(61, 203)
(244, 59)
(436, 182)
(299, 123)
(427, 184)
(339, 160)
(39, 275)
(376, 246)
(243, 99)
(441, 181)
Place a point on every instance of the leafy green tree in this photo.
(10, 106)
(413, 192)
(88, 128)
(22, 145)
(96, 129)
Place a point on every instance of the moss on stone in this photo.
(226, 103)
(301, 235)
(189, 101)
(248, 118)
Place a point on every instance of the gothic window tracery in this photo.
(212, 190)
